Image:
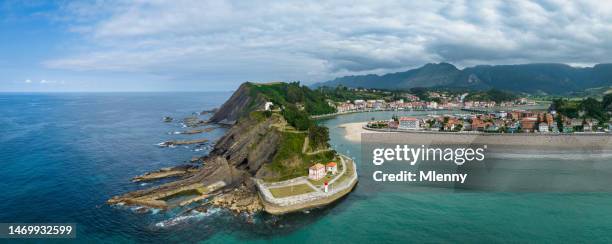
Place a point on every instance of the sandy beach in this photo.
(355, 131)
(352, 131)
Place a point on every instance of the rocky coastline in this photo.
(225, 176)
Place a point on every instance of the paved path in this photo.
(341, 173)
(305, 148)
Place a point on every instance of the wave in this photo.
(193, 215)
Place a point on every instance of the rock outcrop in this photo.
(252, 141)
(240, 104)
(237, 156)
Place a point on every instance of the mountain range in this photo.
(536, 78)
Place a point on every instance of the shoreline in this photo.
(322, 116)
(356, 130)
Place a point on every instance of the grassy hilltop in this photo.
(289, 142)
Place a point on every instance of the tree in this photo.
(607, 102)
(593, 109)
(318, 137)
(297, 118)
(560, 122)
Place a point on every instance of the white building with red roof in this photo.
(316, 172)
(332, 167)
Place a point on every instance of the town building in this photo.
(478, 124)
(554, 128)
(549, 119)
(451, 124)
(501, 114)
(316, 172)
(393, 124)
(268, 106)
(490, 127)
(513, 127)
(332, 167)
(528, 124)
(467, 125)
(409, 123)
(432, 105)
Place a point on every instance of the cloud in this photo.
(27, 81)
(317, 40)
(43, 81)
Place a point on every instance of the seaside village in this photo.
(516, 121)
(478, 120)
(412, 102)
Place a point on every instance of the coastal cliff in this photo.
(259, 144)
(238, 105)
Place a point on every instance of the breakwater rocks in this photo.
(243, 199)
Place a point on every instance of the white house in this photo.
(543, 127)
(316, 172)
(268, 106)
(432, 105)
(409, 123)
(501, 114)
(332, 167)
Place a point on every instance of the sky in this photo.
(153, 45)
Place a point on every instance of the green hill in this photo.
(542, 78)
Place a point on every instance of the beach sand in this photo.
(353, 131)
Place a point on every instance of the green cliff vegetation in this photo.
(343, 93)
(285, 94)
(295, 103)
(491, 95)
(586, 108)
(290, 162)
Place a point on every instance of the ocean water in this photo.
(63, 155)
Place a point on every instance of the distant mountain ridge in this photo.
(548, 78)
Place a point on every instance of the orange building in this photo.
(528, 124)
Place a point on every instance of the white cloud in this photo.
(43, 81)
(27, 81)
(316, 40)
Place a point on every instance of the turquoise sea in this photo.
(64, 154)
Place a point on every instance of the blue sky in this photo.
(109, 45)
